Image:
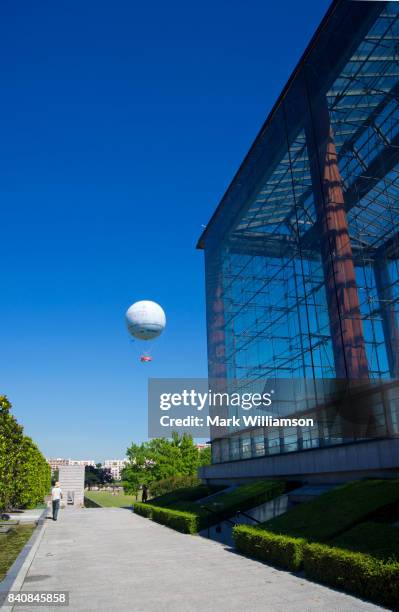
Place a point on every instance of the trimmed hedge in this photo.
(375, 539)
(280, 550)
(186, 522)
(334, 512)
(143, 509)
(354, 572)
(318, 520)
(202, 517)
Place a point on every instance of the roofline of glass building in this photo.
(364, 14)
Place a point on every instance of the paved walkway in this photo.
(110, 559)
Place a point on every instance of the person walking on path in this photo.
(56, 496)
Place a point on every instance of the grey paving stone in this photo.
(110, 559)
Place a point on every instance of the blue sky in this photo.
(121, 126)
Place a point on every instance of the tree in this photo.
(131, 480)
(11, 436)
(105, 475)
(55, 477)
(32, 476)
(205, 456)
(91, 476)
(139, 469)
(97, 476)
(160, 459)
(25, 475)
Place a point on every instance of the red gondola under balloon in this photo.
(145, 358)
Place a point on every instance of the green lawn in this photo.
(375, 539)
(11, 545)
(105, 499)
(337, 511)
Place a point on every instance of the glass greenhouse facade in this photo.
(301, 255)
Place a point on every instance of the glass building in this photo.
(301, 255)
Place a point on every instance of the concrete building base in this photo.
(376, 458)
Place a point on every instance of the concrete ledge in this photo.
(338, 463)
(16, 574)
(27, 516)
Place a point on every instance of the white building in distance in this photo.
(83, 462)
(55, 464)
(115, 466)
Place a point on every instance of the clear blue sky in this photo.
(122, 124)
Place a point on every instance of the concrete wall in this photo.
(72, 478)
(345, 462)
(223, 531)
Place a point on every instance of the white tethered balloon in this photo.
(145, 320)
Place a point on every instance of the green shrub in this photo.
(32, 476)
(336, 511)
(143, 509)
(315, 521)
(203, 518)
(375, 539)
(354, 572)
(280, 550)
(186, 522)
(169, 485)
(24, 472)
(185, 494)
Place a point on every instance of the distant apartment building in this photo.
(115, 466)
(55, 464)
(83, 462)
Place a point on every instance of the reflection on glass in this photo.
(303, 271)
